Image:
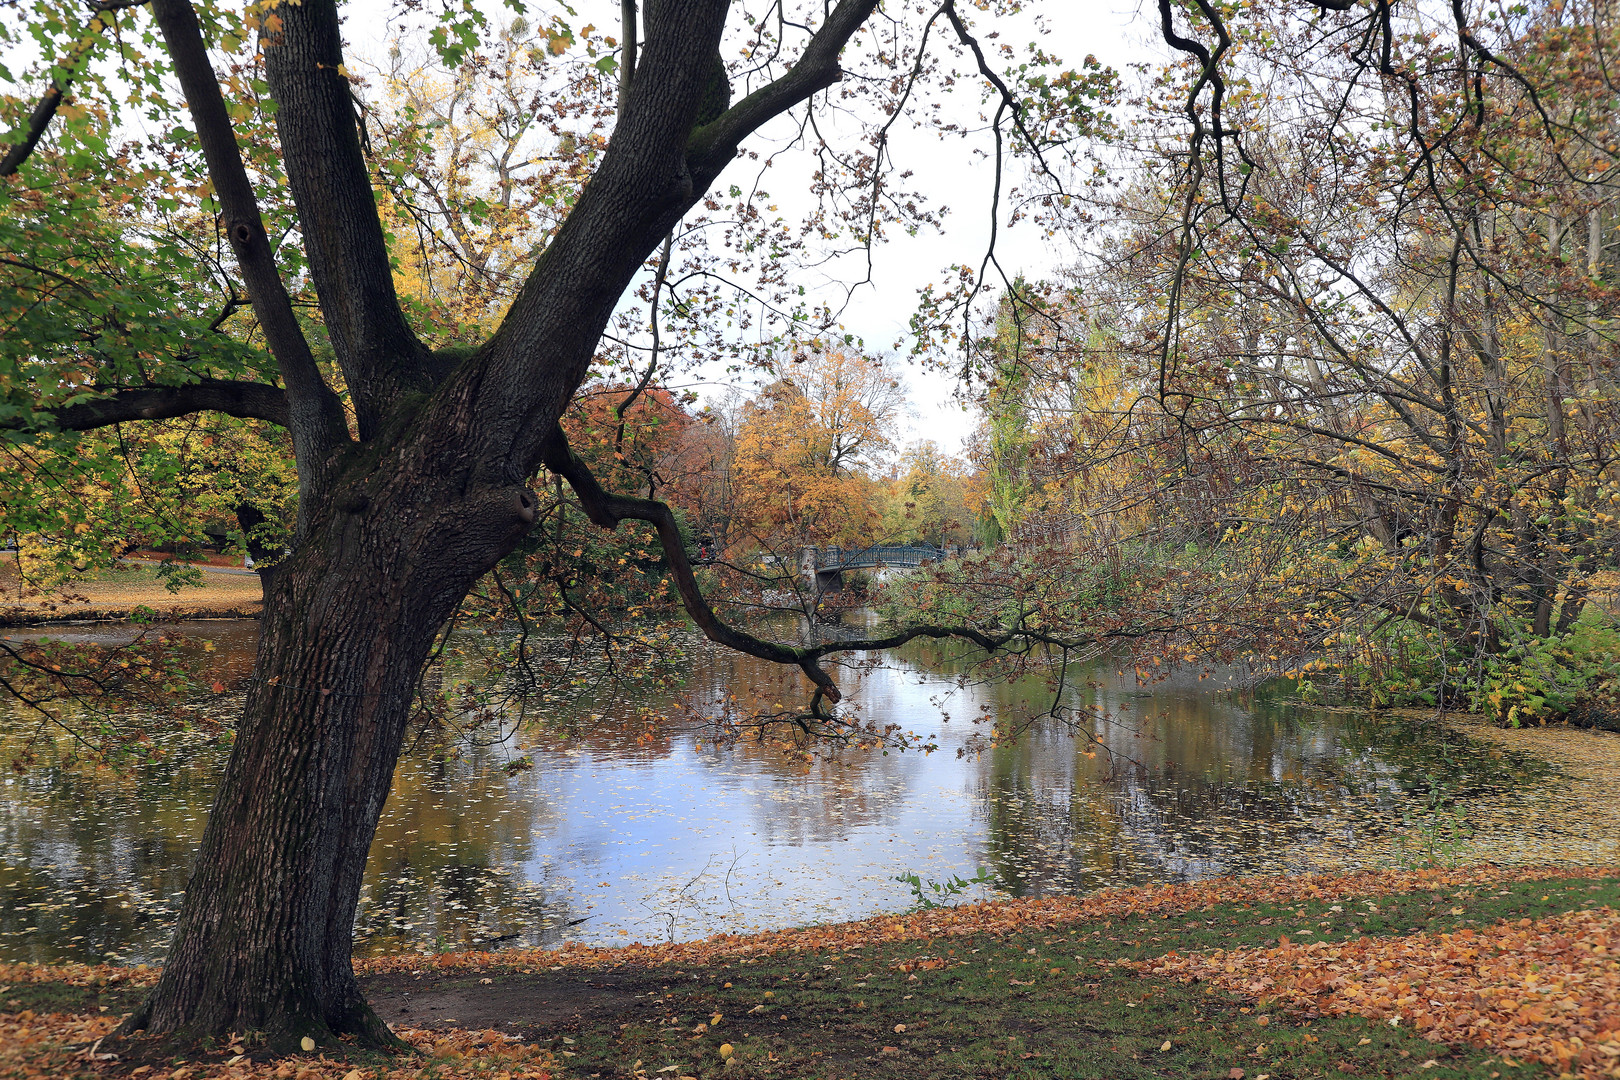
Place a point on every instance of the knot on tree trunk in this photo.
(528, 507)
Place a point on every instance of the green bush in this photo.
(1401, 664)
(1575, 676)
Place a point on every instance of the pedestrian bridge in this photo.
(828, 564)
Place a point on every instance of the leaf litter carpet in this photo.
(1545, 990)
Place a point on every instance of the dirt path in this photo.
(534, 1007)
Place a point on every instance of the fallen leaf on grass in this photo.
(997, 917)
(1546, 990)
(26, 1041)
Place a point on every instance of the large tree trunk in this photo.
(265, 934)
(395, 528)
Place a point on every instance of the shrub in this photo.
(1575, 676)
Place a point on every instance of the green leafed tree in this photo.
(195, 217)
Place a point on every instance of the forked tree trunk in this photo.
(396, 527)
(264, 941)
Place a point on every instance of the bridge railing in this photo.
(900, 555)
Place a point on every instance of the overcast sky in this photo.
(1115, 31)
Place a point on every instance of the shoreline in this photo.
(11, 618)
(998, 916)
(116, 596)
(1448, 974)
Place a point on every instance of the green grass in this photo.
(997, 1010)
(49, 997)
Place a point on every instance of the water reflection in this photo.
(615, 837)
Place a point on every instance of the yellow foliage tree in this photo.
(804, 447)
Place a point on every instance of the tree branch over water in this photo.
(607, 510)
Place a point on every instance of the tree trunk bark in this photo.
(265, 934)
(396, 528)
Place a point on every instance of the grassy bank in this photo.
(120, 592)
(1044, 988)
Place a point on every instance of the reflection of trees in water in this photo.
(1419, 755)
(812, 799)
(92, 863)
(441, 864)
(833, 799)
(1185, 783)
(458, 905)
(1135, 825)
(112, 899)
(1199, 787)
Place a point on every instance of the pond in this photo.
(615, 836)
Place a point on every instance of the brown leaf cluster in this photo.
(993, 917)
(1546, 990)
(79, 974)
(60, 1045)
(36, 1045)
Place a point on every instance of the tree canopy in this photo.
(208, 210)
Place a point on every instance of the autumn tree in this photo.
(1339, 340)
(805, 446)
(481, 160)
(1372, 320)
(415, 463)
(1008, 430)
(929, 499)
(1055, 436)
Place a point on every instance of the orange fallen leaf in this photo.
(1546, 990)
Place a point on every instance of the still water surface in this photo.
(611, 838)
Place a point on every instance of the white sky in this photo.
(1117, 32)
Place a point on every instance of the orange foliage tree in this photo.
(805, 447)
